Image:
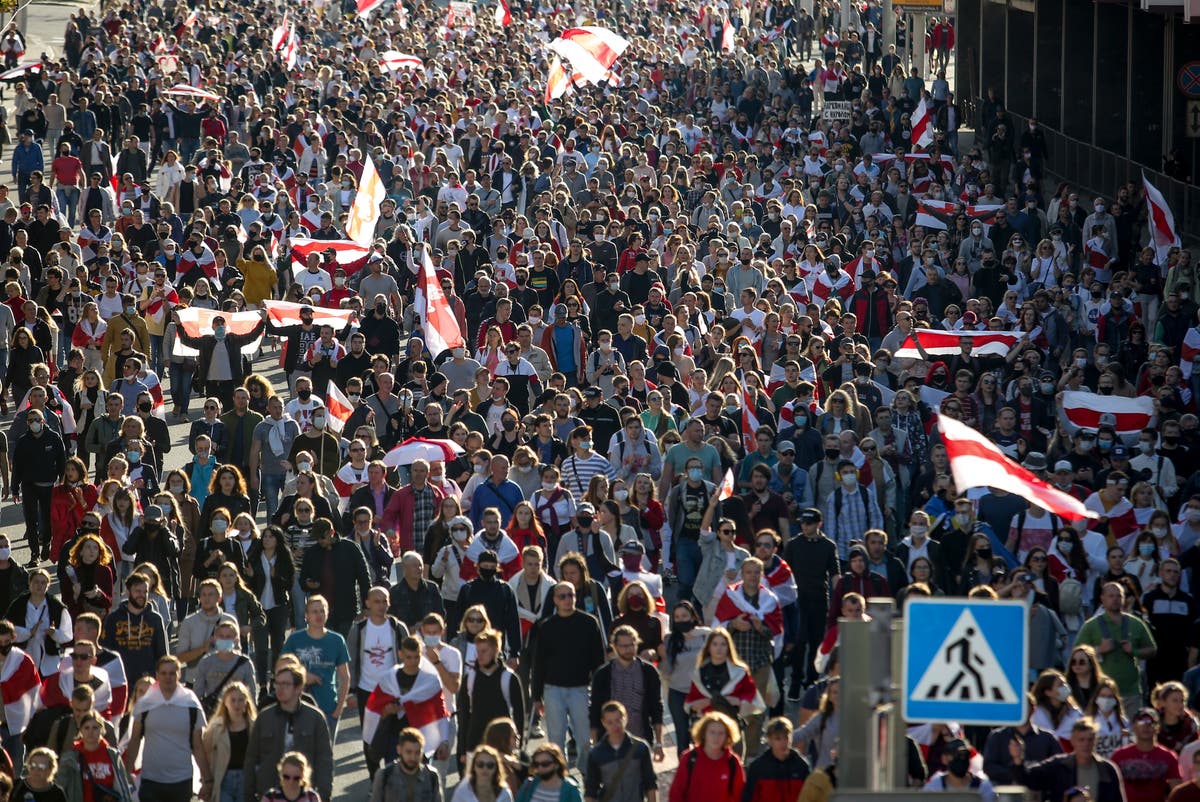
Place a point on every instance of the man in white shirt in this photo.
(374, 646)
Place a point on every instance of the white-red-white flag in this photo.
(347, 254)
(437, 319)
(592, 50)
(727, 41)
(395, 61)
(726, 489)
(1163, 236)
(559, 81)
(197, 322)
(749, 422)
(1188, 351)
(424, 706)
(976, 461)
(948, 343)
(280, 34)
(922, 126)
(365, 7)
(503, 14)
(19, 686)
(193, 93)
(364, 212)
(339, 407)
(1085, 410)
(286, 313)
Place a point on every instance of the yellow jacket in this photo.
(260, 280)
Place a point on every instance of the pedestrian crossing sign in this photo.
(965, 661)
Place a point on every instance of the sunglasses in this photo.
(290, 777)
(725, 531)
(543, 764)
(485, 764)
(76, 656)
(474, 620)
(564, 595)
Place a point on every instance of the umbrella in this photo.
(415, 448)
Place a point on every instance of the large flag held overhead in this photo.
(1162, 223)
(935, 214)
(365, 7)
(339, 407)
(395, 61)
(922, 126)
(947, 343)
(1081, 410)
(592, 50)
(502, 16)
(364, 213)
(728, 43)
(349, 255)
(286, 313)
(199, 323)
(976, 461)
(193, 93)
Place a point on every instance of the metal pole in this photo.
(897, 731)
(916, 35)
(855, 707)
(889, 27)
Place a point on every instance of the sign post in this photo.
(1191, 119)
(965, 661)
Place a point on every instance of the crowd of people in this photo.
(686, 420)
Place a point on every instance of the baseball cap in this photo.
(585, 507)
(786, 445)
(592, 392)
(810, 516)
(1120, 451)
(1063, 465)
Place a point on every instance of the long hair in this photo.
(239, 482)
(721, 632)
(222, 711)
(76, 554)
(500, 778)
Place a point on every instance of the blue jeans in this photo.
(187, 148)
(156, 353)
(68, 202)
(333, 727)
(64, 346)
(299, 597)
(568, 707)
(181, 386)
(231, 786)
(13, 745)
(687, 565)
(271, 490)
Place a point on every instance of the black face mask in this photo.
(145, 406)
(831, 453)
(985, 554)
(487, 574)
(683, 627)
(381, 309)
(959, 766)
(304, 395)
(585, 521)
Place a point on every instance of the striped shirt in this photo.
(577, 472)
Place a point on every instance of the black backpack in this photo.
(691, 769)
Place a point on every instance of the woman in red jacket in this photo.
(69, 500)
(710, 771)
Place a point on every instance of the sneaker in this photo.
(32, 563)
(793, 696)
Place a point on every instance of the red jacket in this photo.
(398, 514)
(702, 779)
(66, 512)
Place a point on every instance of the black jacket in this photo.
(814, 565)
(161, 550)
(285, 573)
(230, 552)
(498, 598)
(480, 702)
(353, 579)
(410, 606)
(233, 347)
(1055, 775)
(652, 706)
(38, 460)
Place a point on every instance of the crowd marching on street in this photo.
(537, 385)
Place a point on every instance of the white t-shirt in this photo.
(755, 316)
(378, 655)
(453, 661)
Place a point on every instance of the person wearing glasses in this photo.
(38, 783)
(549, 777)
(295, 781)
(568, 650)
(275, 773)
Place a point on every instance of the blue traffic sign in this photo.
(965, 661)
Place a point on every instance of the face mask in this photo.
(585, 521)
(614, 285)
(606, 346)
(166, 509)
(134, 457)
(732, 409)
(962, 518)
(695, 474)
(1047, 388)
(318, 421)
(1146, 549)
(849, 479)
(36, 427)
(219, 526)
(1101, 360)
(1063, 692)
(918, 531)
(176, 488)
(1106, 704)
(458, 533)
(984, 553)
(959, 766)
(431, 640)
(219, 332)
(130, 310)
(586, 445)
(508, 425)
(224, 644)
(1146, 447)
(1105, 445)
(353, 397)
(5, 553)
(304, 395)
(487, 574)
(5, 649)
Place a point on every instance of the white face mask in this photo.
(1106, 704)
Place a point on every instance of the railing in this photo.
(1101, 172)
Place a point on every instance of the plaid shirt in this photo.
(424, 511)
(848, 518)
(755, 648)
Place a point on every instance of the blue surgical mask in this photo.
(219, 332)
(134, 457)
(224, 644)
(1146, 549)
(695, 474)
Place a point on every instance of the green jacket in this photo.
(70, 776)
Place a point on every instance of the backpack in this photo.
(506, 676)
(1070, 596)
(193, 715)
(621, 441)
(1055, 524)
(837, 500)
(430, 775)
